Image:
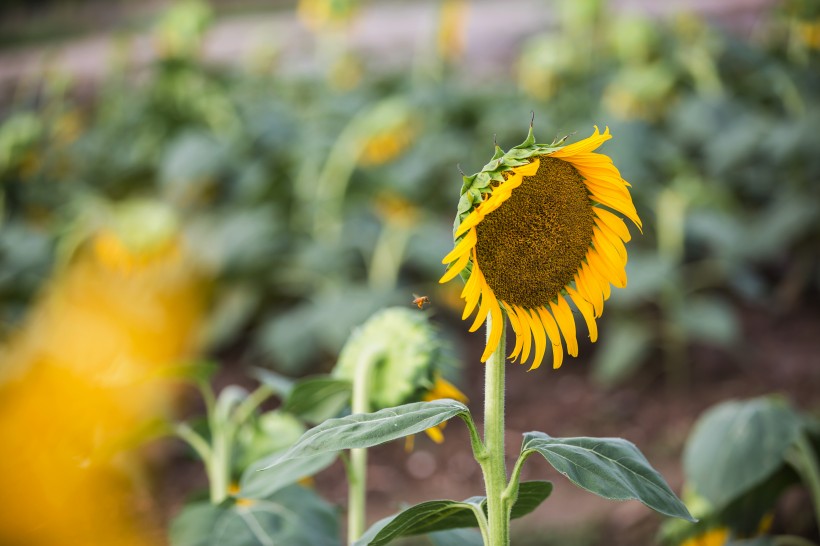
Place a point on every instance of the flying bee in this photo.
(420, 300)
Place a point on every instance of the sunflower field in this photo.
(319, 272)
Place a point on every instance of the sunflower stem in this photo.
(494, 466)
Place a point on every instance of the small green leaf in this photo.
(530, 496)
(440, 515)
(369, 429)
(316, 399)
(737, 445)
(609, 467)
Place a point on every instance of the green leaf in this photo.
(258, 482)
(530, 496)
(427, 517)
(317, 399)
(737, 445)
(609, 467)
(440, 515)
(295, 516)
(456, 537)
(369, 429)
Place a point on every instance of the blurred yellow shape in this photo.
(713, 537)
(450, 39)
(81, 381)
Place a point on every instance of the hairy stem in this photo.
(494, 465)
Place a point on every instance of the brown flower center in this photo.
(531, 246)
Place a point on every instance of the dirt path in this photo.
(388, 33)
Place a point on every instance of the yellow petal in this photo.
(613, 222)
(612, 241)
(455, 269)
(486, 297)
(555, 338)
(613, 273)
(584, 146)
(435, 434)
(587, 312)
(444, 389)
(472, 220)
(463, 246)
(593, 289)
(529, 169)
(526, 332)
(566, 322)
(473, 291)
(518, 329)
(540, 337)
(496, 328)
(623, 206)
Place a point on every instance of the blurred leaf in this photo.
(296, 336)
(735, 446)
(316, 399)
(271, 432)
(258, 483)
(647, 274)
(295, 516)
(744, 514)
(709, 319)
(192, 162)
(609, 467)
(623, 346)
(438, 515)
(369, 429)
(280, 384)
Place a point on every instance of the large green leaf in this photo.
(317, 399)
(369, 429)
(294, 516)
(440, 515)
(610, 467)
(456, 537)
(737, 445)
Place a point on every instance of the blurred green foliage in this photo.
(314, 199)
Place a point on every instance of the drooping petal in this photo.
(496, 328)
(586, 311)
(539, 335)
(555, 338)
(486, 297)
(519, 332)
(526, 332)
(566, 322)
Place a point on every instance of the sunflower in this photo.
(534, 229)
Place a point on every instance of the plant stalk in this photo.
(357, 467)
(494, 465)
